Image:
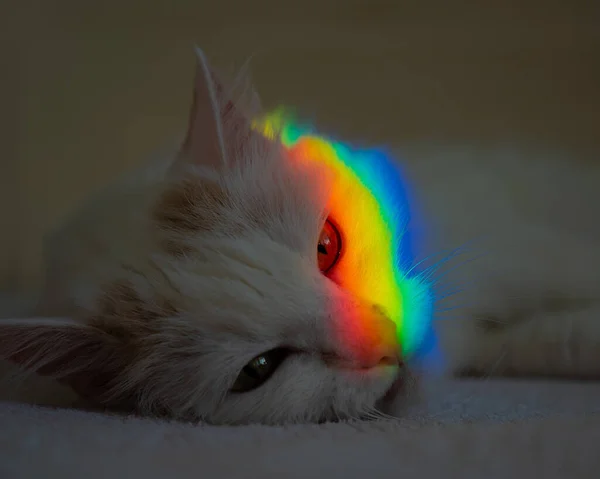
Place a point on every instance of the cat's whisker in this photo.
(449, 255)
(452, 269)
(438, 265)
(376, 414)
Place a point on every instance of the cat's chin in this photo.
(389, 400)
(386, 404)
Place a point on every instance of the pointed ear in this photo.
(83, 357)
(220, 119)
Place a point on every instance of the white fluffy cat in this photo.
(190, 289)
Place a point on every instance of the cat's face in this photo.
(243, 319)
(277, 339)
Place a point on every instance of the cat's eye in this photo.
(259, 370)
(329, 247)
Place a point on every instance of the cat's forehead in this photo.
(265, 191)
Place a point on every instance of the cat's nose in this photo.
(381, 347)
(387, 354)
(367, 338)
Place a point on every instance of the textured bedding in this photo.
(466, 429)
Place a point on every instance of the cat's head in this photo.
(239, 314)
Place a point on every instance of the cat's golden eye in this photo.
(259, 370)
(329, 247)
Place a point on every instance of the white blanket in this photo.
(467, 429)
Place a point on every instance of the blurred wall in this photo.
(89, 88)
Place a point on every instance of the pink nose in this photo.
(381, 344)
(367, 338)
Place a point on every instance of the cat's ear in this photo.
(81, 356)
(220, 118)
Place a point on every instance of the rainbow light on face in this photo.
(368, 203)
